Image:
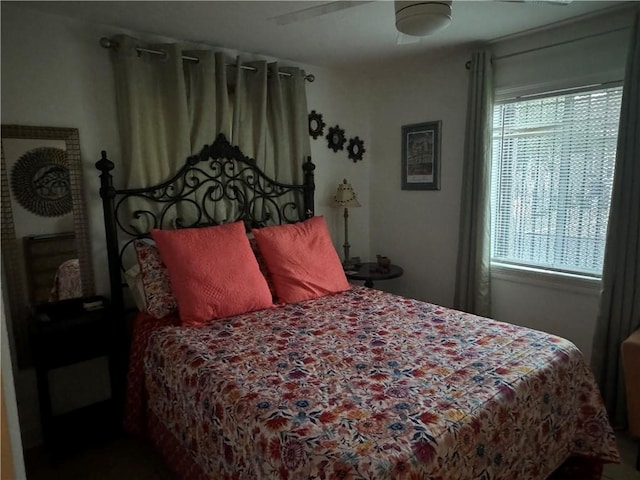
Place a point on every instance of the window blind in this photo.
(552, 175)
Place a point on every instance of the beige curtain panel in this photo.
(169, 108)
(153, 116)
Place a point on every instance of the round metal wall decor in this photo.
(335, 138)
(356, 149)
(40, 182)
(316, 125)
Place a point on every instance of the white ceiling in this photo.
(363, 33)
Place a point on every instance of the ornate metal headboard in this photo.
(218, 185)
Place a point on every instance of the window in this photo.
(552, 174)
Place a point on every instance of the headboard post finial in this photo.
(106, 179)
(108, 193)
(104, 164)
(309, 187)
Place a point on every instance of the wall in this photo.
(332, 95)
(419, 230)
(54, 73)
(597, 57)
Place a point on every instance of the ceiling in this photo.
(363, 33)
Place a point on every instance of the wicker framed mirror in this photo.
(43, 213)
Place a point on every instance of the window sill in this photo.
(545, 278)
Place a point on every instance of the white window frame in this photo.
(542, 276)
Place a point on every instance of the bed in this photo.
(314, 378)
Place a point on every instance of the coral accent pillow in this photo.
(158, 299)
(302, 260)
(263, 266)
(213, 272)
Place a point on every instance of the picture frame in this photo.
(421, 156)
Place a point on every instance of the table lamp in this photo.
(345, 197)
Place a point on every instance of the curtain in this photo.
(619, 313)
(270, 121)
(169, 109)
(153, 116)
(207, 98)
(473, 283)
(210, 113)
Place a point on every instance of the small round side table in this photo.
(372, 271)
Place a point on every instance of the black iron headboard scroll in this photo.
(220, 174)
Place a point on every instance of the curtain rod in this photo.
(108, 43)
(552, 45)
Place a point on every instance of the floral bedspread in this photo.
(368, 385)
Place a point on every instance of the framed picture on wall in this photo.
(421, 156)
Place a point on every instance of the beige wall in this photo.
(418, 230)
(54, 73)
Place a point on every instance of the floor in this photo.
(130, 459)
(123, 458)
(628, 449)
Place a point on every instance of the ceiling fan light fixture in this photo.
(422, 18)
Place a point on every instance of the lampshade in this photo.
(422, 18)
(345, 196)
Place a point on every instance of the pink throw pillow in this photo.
(302, 260)
(263, 266)
(158, 299)
(213, 272)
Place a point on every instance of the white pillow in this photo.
(134, 280)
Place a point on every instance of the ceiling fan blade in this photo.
(311, 12)
(404, 39)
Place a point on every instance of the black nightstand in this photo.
(372, 271)
(61, 334)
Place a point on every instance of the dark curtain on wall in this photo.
(619, 313)
(473, 282)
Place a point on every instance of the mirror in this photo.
(45, 238)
